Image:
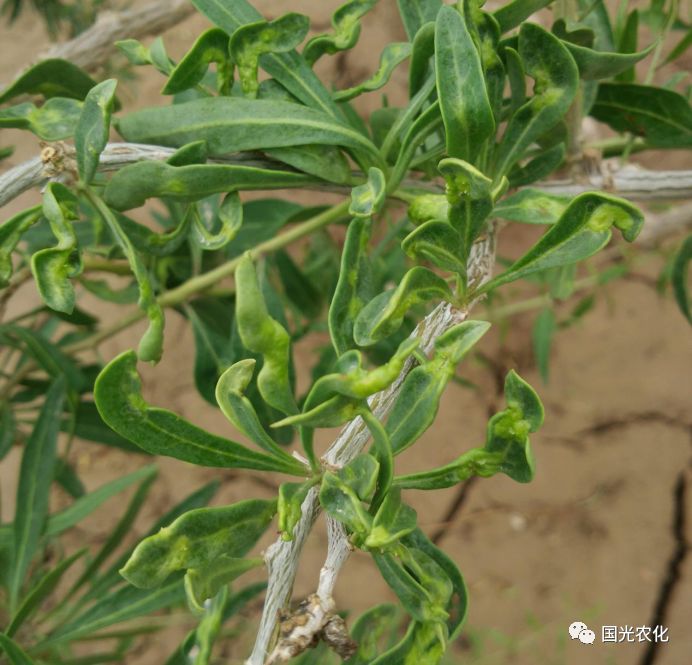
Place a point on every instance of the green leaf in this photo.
(33, 491)
(392, 56)
(418, 400)
(41, 590)
(155, 55)
(14, 652)
(470, 197)
(662, 117)
(384, 314)
(514, 13)
(678, 278)
(231, 125)
(538, 167)
(532, 206)
(436, 241)
(367, 199)
(627, 43)
(544, 329)
(263, 334)
(353, 288)
(8, 429)
(211, 46)
(122, 605)
(91, 135)
(423, 643)
(464, 103)
(322, 161)
(55, 120)
(346, 24)
(11, 233)
(195, 540)
(238, 408)
(117, 394)
(679, 49)
(416, 13)
(393, 520)
(289, 69)
(582, 230)
(422, 51)
(291, 497)
(132, 185)
(369, 629)
(89, 426)
(299, 287)
(249, 42)
(340, 501)
(84, 506)
(556, 78)
(54, 267)
(50, 78)
(204, 582)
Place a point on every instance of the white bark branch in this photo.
(93, 47)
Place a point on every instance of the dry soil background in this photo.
(590, 539)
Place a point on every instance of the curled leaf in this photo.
(55, 120)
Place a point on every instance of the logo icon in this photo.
(578, 630)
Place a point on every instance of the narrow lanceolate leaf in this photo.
(33, 491)
(418, 400)
(466, 110)
(384, 314)
(16, 655)
(132, 185)
(582, 230)
(238, 409)
(117, 394)
(8, 429)
(263, 334)
(11, 233)
(253, 40)
(663, 118)
(211, 46)
(94, 123)
(368, 199)
(290, 69)
(55, 267)
(556, 77)
(679, 277)
(532, 206)
(392, 56)
(232, 124)
(543, 331)
(51, 78)
(353, 289)
(346, 24)
(196, 539)
(416, 13)
(515, 13)
(55, 120)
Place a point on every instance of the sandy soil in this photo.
(590, 539)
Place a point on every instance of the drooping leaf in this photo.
(346, 24)
(55, 120)
(582, 230)
(353, 288)
(249, 42)
(556, 78)
(50, 78)
(263, 334)
(117, 394)
(679, 277)
(33, 489)
(663, 118)
(384, 314)
(211, 46)
(392, 56)
(91, 135)
(461, 87)
(195, 540)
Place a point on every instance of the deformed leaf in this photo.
(393, 520)
(392, 56)
(422, 643)
(461, 87)
(117, 394)
(436, 241)
(252, 40)
(11, 233)
(341, 502)
(582, 230)
(532, 206)
(367, 199)
(384, 314)
(55, 120)
(367, 631)
(196, 539)
(291, 497)
(91, 135)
